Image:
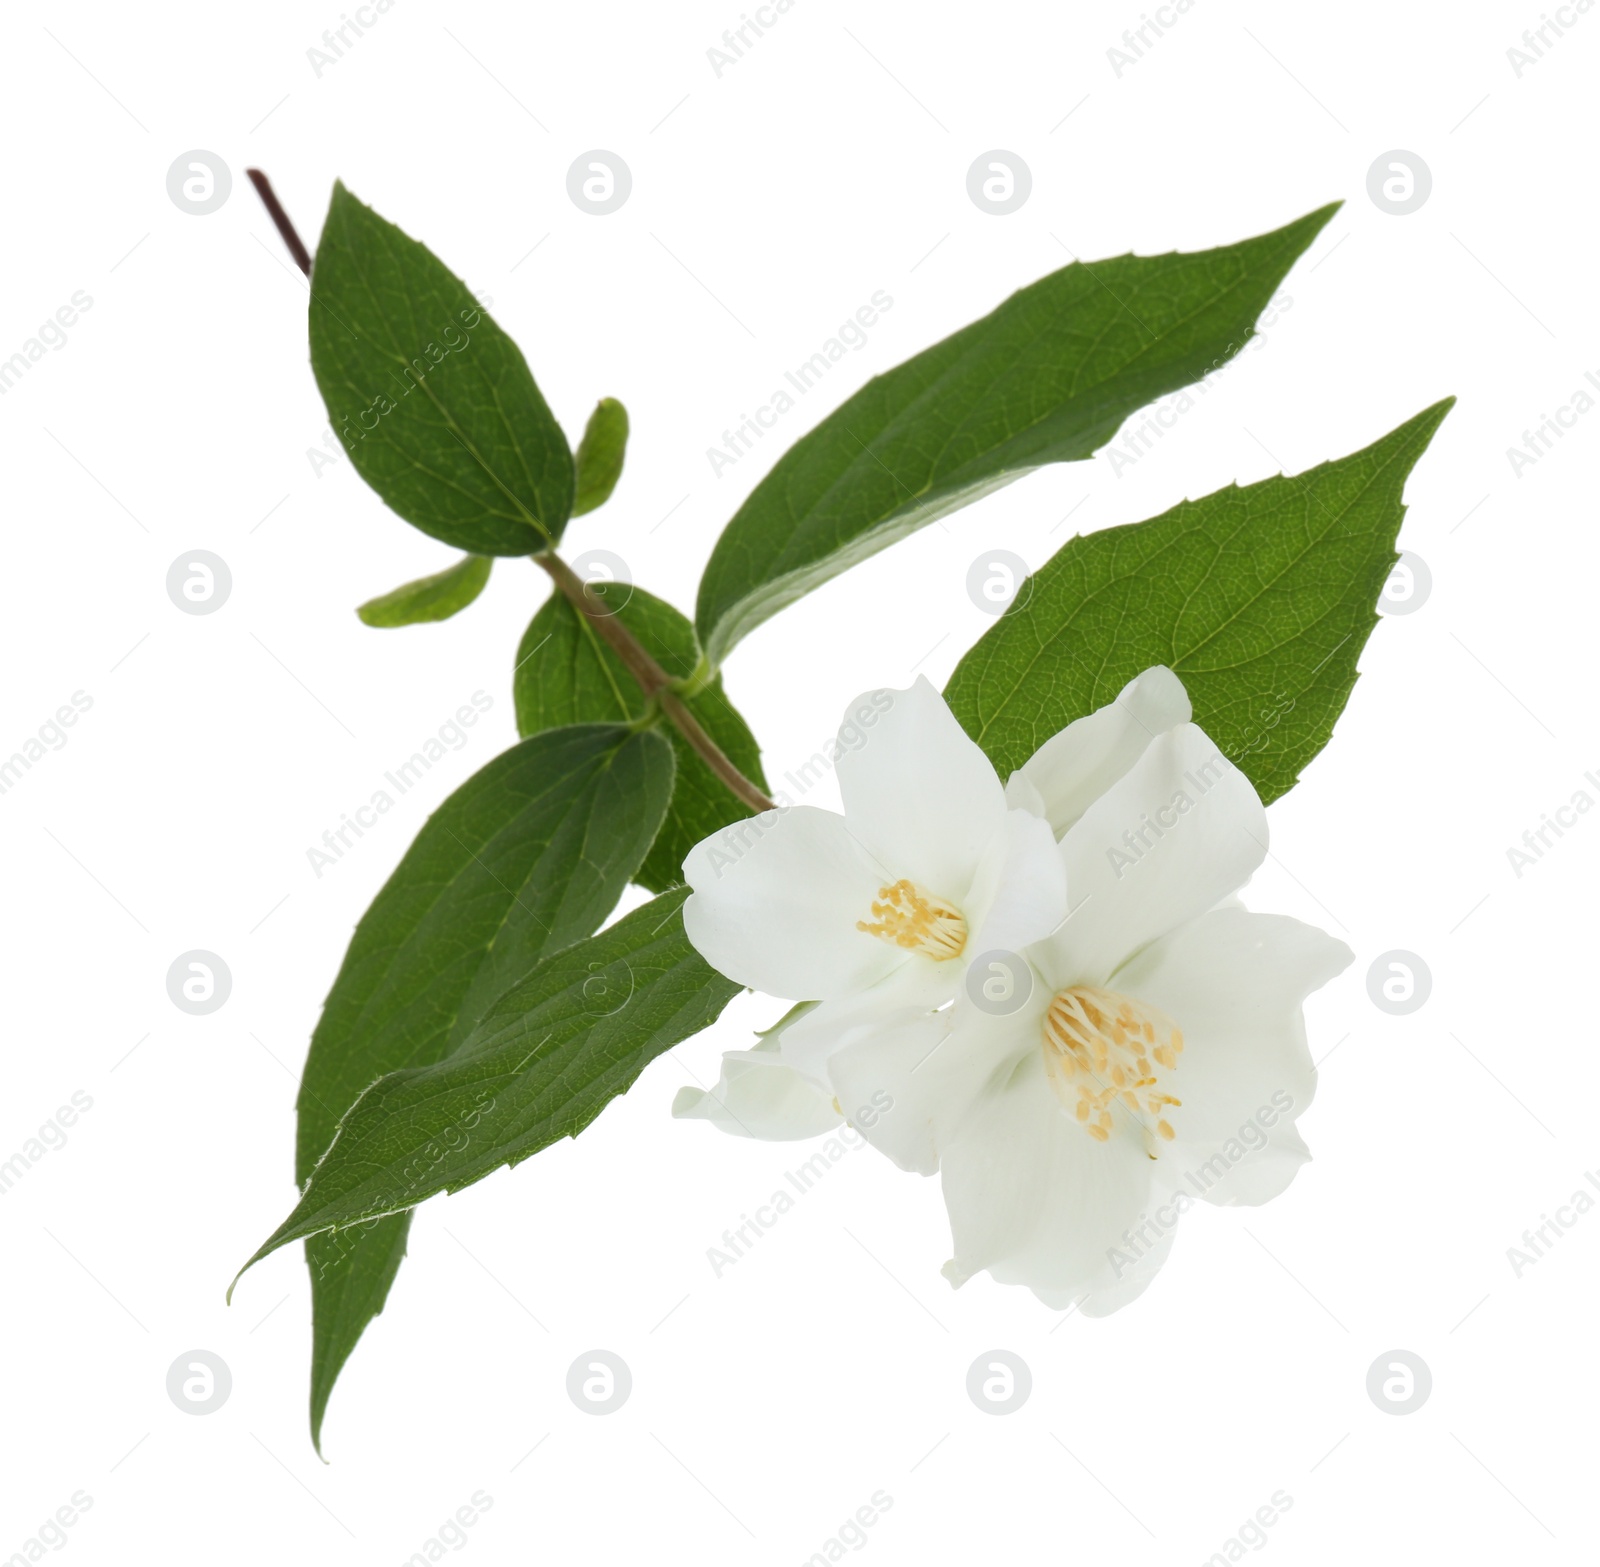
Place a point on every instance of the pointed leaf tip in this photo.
(1048, 376)
(1269, 669)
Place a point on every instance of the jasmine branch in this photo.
(652, 679)
(657, 685)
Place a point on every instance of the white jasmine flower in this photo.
(1145, 1052)
(926, 867)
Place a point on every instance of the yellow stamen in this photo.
(1098, 1050)
(908, 917)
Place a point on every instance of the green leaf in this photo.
(351, 1274)
(1047, 377)
(1260, 598)
(526, 857)
(600, 454)
(430, 598)
(434, 403)
(567, 675)
(541, 1064)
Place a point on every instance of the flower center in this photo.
(1103, 1049)
(911, 918)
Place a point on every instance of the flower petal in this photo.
(908, 1080)
(759, 1095)
(1234, 982)
(1019, 894)
(1171, 840)
(876, 1079)
(1067, 774)
(919, 793)
(917, 986)
(1033, 1198)
(1023, 795)
(776, 901)
(1122, 1281)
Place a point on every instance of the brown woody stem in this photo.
(653, 680)
(286, 229)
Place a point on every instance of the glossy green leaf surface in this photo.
(566, 674)
(541, 1064)
(438, 597)
(526, 857)
(1047, 377)
(435, 405)
(1260, 598)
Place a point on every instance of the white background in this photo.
(768, 204)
